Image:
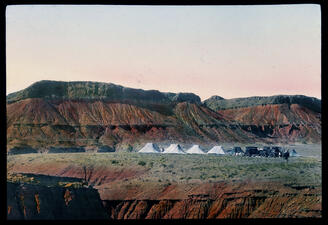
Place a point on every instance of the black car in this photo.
(277, 151)
(267, 152)
(237, 151)
(263, 153)
(251, 151)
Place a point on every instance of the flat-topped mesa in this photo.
(217, 103)
(97, 90)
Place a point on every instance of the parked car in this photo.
(237, 151)
(251, 151)
(263, 153)
(267, 152)
(277, 151)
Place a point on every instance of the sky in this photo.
(230, 51)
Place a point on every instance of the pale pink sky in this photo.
(231, 51)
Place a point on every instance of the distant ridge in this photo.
(97, 90)
(79, 90)
(217, 103)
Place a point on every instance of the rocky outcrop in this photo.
(184, 97)
(36, 202)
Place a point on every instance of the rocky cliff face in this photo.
(97, 115)
(228, 202)
(33, 202)
(234, 207)
(36, 202)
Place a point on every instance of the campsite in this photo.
(267, 151)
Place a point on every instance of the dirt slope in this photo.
(42, 123)
(293, 122)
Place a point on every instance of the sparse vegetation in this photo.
(130, 148)
(87, 174)
(114, 162)
(185, 168)
(70, 184)
(141, 163)
(45, 180)
(21, 178)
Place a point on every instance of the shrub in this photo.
(114, 161)
(141, 163)
(130, 148)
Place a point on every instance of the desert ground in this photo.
(123, 176)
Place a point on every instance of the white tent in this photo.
(174, 148)
(150, 148)
(195, 150)
(216, 150)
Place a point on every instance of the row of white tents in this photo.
(195, 149)
(176, 149)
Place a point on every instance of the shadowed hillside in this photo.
(218, 103)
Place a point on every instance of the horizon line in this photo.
(216, 95)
